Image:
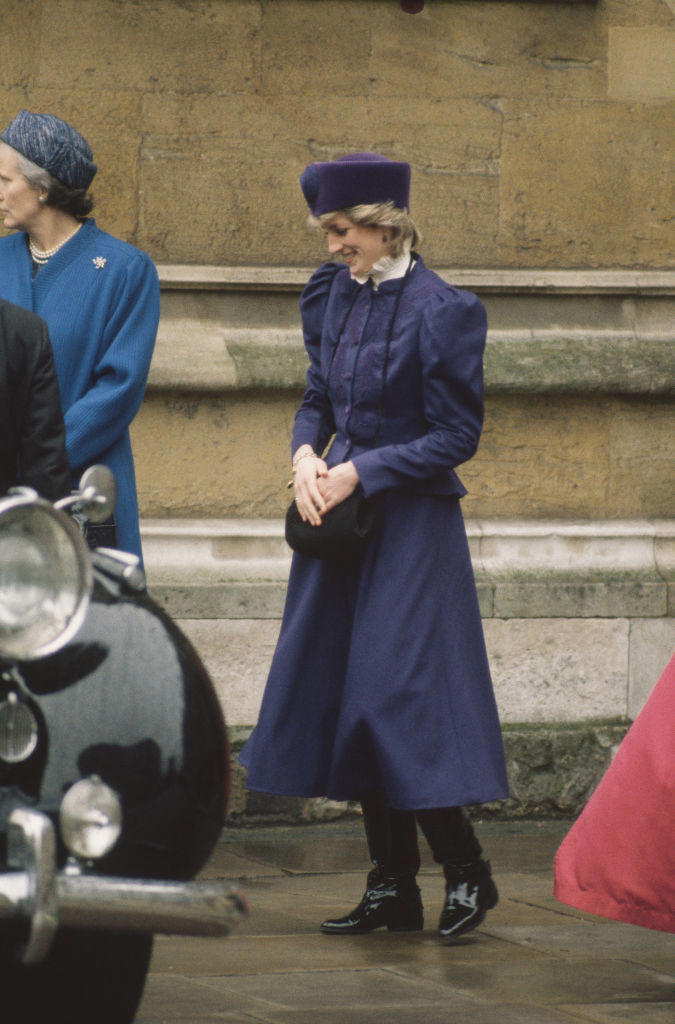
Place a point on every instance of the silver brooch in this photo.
(99, 262)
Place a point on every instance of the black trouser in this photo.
(392, 835)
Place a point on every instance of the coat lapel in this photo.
(48, 275)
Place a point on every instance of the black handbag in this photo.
(345, 530)
(342, 533)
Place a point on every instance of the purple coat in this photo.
(380, 681)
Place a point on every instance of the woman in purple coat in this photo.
(380, 690)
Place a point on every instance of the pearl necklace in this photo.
(42, 257)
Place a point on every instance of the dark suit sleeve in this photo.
(41, 448)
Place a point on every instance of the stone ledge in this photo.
(552, 771)
(213, 569)
(237, 329)
(208, 359)
(576, 615)
(276, 278)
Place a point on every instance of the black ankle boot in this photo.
(391, 901)
(470, 893)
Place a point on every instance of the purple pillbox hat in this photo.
(54, 145)
(353, 180)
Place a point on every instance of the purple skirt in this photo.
(380, 680)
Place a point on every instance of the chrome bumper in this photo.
(35, 891)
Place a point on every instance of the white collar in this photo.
(386, 269)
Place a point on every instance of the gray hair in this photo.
(403, 232)
(36, 176)
(73, 201)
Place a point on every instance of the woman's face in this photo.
(19, 202)
(359, 245)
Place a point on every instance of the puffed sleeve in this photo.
(451, 347)
(314, 419)
(104, 412)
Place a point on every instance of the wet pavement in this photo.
(533, 961)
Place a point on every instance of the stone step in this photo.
(226, 548)
(225, 329)
(238, 568)
(578, 617)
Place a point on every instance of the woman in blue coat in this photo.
(379, 689)
(98, 295)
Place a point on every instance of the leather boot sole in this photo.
(326, 928)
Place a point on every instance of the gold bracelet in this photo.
(305, 455)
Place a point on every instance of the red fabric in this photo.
(618, 860)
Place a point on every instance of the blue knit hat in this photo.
(54, 145)
(353, 180)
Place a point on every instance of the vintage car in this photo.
(114, 770)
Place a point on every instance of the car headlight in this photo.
(19, 730)
(45, 577)
(90, 818)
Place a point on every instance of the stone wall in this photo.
(578, 621)
(567, 512)
(539, 135)
(537, 131)
(579, 384)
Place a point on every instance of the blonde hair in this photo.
(403, 232)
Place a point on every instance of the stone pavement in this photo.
(533, 961)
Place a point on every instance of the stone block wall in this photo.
(537, 131)
(568, 510)
(579, 386)
(578, 620)
(539, 135)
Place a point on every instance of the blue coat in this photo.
(380, 680)
(100, 298)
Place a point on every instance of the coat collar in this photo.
(69, 252)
